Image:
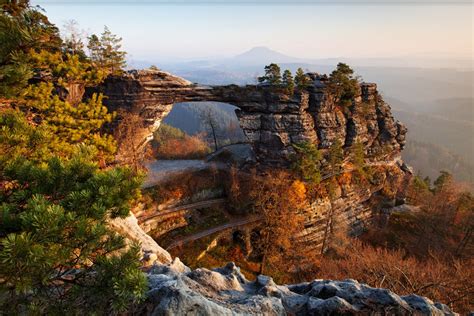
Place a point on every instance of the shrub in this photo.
(173, 143)
(307, 162)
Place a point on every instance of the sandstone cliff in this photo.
(271, 120)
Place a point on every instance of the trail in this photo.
(191, 206)
(210, 231)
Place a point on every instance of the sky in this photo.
(153, 29)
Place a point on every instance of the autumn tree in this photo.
(301, 80)
(343, 85)
(105, 52)
(280, 201)
(307, 162)
(172, 143)
(272, 75)
(418, 190)
(288, 82)
(436, 278)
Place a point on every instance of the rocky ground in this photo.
(176, 290)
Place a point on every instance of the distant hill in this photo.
(428, 159)
(187, 117)
(263, 55)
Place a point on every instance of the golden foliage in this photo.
(436, 278)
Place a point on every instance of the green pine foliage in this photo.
(288, 82)
(22, 29)
(105, 52)
(358, 155)
(336, 155)
(272, 75)
(307, 162)
(68, 124)
(343, 85)
(301, 80)
(19, 138)
(57, 253)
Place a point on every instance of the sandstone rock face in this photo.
(128, 228)
(176, 290)
(271, 120)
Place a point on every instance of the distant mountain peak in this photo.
(263, 54)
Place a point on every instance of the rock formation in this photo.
(176, 290)
(271, 120)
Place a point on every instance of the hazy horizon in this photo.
(157, 31)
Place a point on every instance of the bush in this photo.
(438, 279)
(55, 244)
(173, 143)
(307, 162)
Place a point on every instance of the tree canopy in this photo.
(105, 52)
(301, 80)
(272, 75)
(343, 85)
(57, 188)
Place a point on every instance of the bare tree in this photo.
(73, 37)
(212, 124)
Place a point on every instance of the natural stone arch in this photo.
(271, 120)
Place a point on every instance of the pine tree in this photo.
(288, 82)
(343, 85)
(358, 156)
(57, 255)
(307, 162)
(336, 155)
(22, 29)
(67, 119)
(106, 53)
(301, 80)
(272, 75)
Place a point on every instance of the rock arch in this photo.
(271, 120)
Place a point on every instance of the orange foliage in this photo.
(436, 278)
(188, 147)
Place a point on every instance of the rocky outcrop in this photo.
(129, 229)
(176, 290)
(271, 120)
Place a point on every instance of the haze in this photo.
(157, 31)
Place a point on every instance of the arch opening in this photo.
(193, 130)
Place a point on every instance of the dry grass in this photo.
(438, 278)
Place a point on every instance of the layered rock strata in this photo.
(271, 120)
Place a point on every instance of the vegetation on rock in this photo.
(343, 85)
(307, 162)
(272, 75)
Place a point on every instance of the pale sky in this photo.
(349, 28)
